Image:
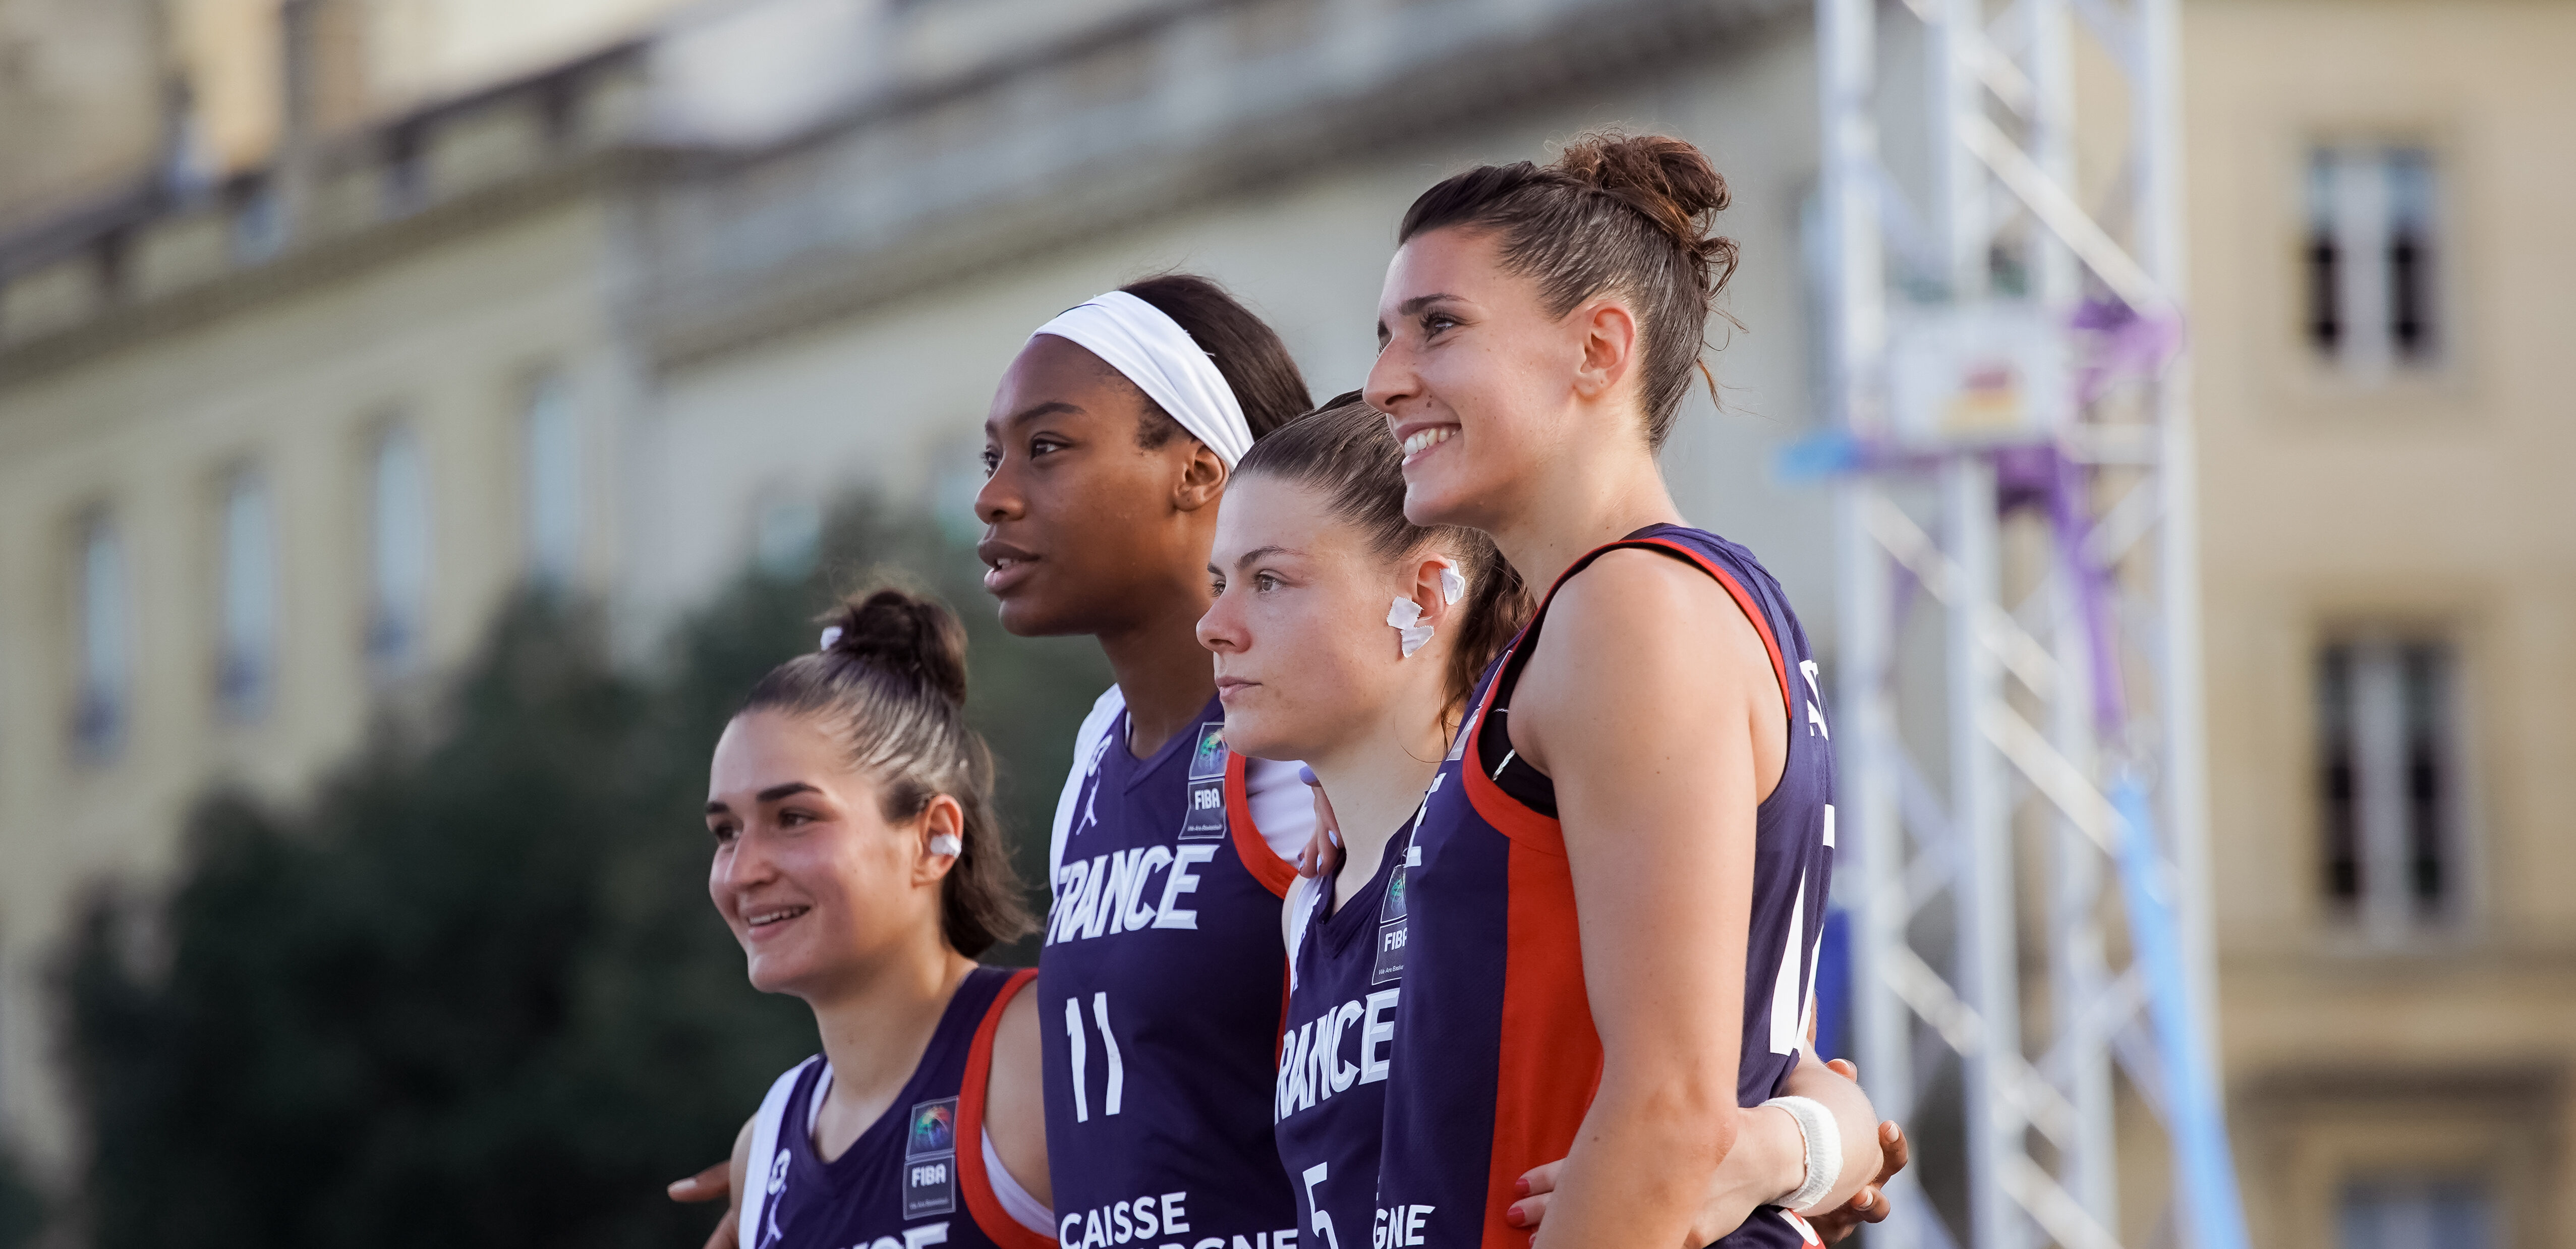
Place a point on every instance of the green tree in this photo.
(474, 993)
(22, 1208)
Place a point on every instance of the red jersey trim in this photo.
(1274, 873)
(1524, 826)
(995, 1222)
(1543, 833)
(1548, 1041)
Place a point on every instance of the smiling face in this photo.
(1482, 386)
(1085, 529)
(1305, 661)
(809, 875)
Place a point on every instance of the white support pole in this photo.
(2088, 1166)
(2114, 784)
(2079, 973)
(2205, 1181)
(1870, 832)
(1959, 199)
(1989, 966)
(2156, 124)
(1871, 835)
(1855, 279)
(2049, 51)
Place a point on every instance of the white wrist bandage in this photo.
(1824, 1149)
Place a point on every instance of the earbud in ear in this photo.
(947, 844)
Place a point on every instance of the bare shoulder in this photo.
(1636, 645)
(1016, 1053)
(1643, 616)
(1647, 598)
(1019, 1026)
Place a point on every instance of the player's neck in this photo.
(1164, 674)
(1581, 506)
(875, 1031)
(1375, 781)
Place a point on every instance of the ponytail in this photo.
(1628, 214)
(890, 683)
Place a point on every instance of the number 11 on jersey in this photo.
(1075, 1032)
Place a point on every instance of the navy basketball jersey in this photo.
(1495, 1056)
(1160, 989)
(921, 1175)
(1346, 967)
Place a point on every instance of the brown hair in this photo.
(1630, 214)
(892, 687)
(1247, 353)
(1345, 451)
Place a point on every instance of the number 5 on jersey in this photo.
(1076, 1031)
(1314, 1211)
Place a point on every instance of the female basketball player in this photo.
(859, 864)
(1310, 544)
(1110, 441)
(1631, 877)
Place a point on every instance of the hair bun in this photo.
(904, 633)
(1667, 179)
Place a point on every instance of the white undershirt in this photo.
(1025, 1210)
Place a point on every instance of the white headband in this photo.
(1153, 351)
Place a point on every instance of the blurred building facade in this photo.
(297, 384)
(278, 432)
(2390, 580)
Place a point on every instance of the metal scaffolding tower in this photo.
(2063, 855)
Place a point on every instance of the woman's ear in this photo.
(940, 837)
(1609, 345)
(1429, 590)
(1203, 477)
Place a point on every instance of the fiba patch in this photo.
(930, 1159)
(1391, 930)
(1204, 818)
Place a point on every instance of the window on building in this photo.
(106, 659)
(2389, 781)
(259, 221)
(399, 576)
(406, 180)
(552, 455)
(2372, 253)
(2416, 1214)
(246, 654)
